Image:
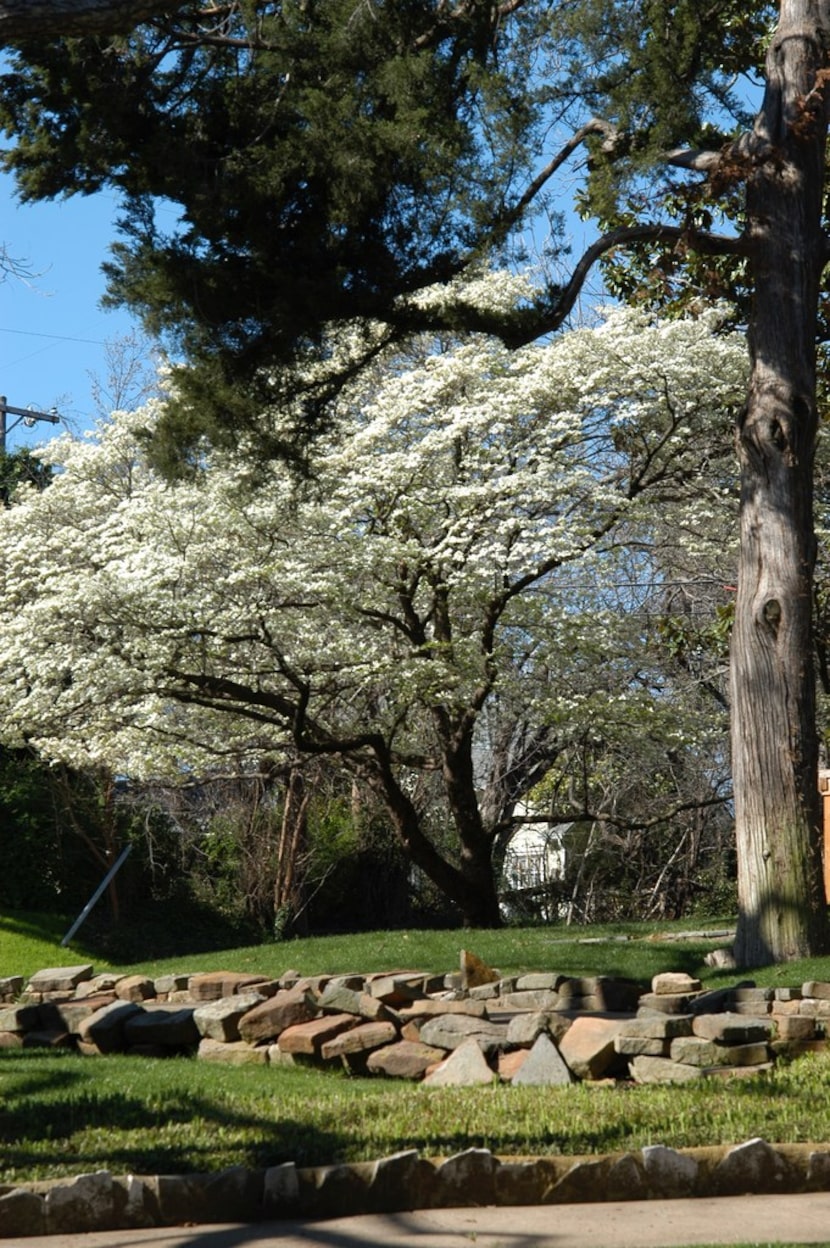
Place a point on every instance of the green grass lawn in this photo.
(64, 1114)
(29, 942)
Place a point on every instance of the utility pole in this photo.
(30, 416)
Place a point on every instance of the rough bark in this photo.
(774, 742)
(39, 19)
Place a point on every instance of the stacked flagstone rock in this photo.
(470, 1027)
(682, 1031)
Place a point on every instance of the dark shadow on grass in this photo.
(654, 958)
(47, 1106)
(33, 923)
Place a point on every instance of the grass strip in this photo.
(64, 1114)
(29, 942)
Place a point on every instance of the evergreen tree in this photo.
(22, 467)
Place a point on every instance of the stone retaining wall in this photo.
(102, 1201)
(466, 1027)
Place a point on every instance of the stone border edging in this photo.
(405, 1181)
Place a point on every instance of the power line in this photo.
(30, 333)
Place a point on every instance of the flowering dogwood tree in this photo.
(406, 604)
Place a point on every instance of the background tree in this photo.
(132, 377)
(407, 607)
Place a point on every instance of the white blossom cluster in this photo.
(425, 564)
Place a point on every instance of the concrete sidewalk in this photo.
(803, 1219)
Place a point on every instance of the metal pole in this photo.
(99, 890)
(29, 415)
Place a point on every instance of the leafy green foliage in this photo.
(297, 163)
(22, 467)
(43, 867)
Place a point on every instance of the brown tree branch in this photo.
(39, 19)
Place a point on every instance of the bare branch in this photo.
(584, 815)
(563, 300)
(595, 126)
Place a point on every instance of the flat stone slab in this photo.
(360, 1039)
(408, 1059)
(523, 1028)
(211, 985)
(105, 1028)
(19, 1017)
(732, 1028)
(450, 1030)
(71, 1014)
(429, 1007)
(135, 988)
(235, 1052)
(666, 1003)
(538, 981)
(309, 1037)
(657, 1026)
(172, 1027)
(219, 1020)
(588, 1045)
(794, 1027)
(698, 1051)
(398, 987)
(509, 1064)
(816, 988)
(674, 983)
(59, 978)
(534, 999)
(646, 1069)
(648, 1046)
(269, 1019)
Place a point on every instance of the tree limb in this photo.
(688, 158)
(39, 19)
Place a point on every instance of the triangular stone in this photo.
(464, 1068)
(474, 972)
(544, 1065)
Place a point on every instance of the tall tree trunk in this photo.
(476, 860)
(774, 743)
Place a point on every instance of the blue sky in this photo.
(52, 328)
